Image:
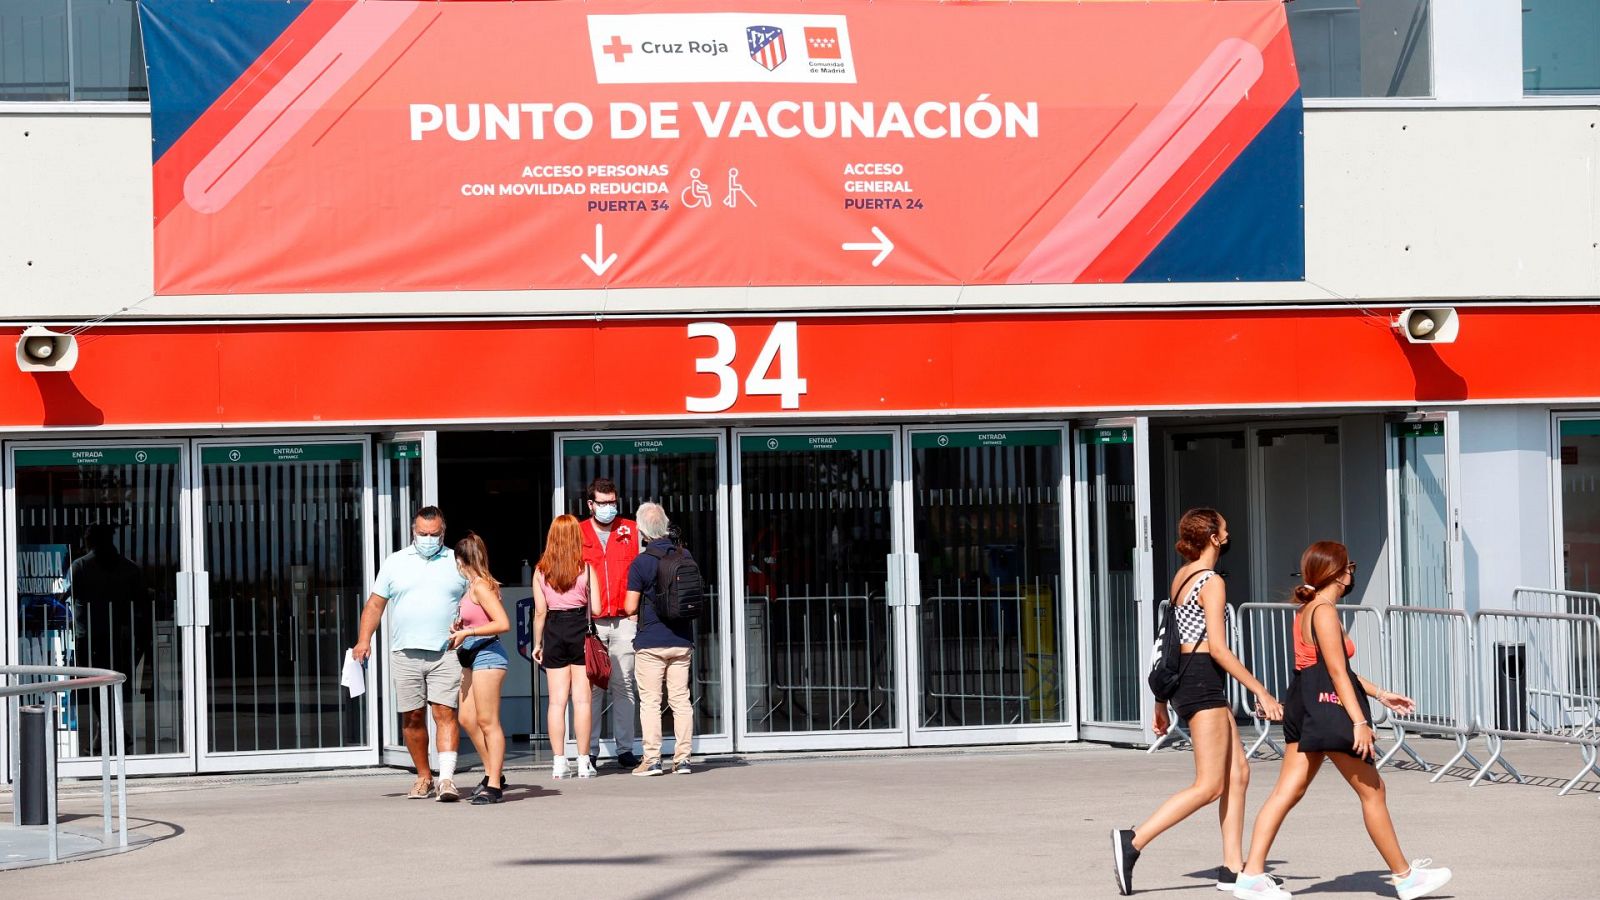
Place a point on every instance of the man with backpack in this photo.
(667, 592)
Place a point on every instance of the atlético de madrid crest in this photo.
(766, 45)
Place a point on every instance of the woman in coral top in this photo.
(1329, 575)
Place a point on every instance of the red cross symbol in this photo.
(618, 50)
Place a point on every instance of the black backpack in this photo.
(1167, 662)
(680, 590)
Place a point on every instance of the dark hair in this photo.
(1320, 565)
(1195, 530)
(601, 485)
(429, 512)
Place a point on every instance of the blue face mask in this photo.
(605, 512)
(428, 546)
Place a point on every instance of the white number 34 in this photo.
(781, 349)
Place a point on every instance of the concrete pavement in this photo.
(1029, 822)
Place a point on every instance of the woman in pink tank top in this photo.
(564, 596)
(476, 640)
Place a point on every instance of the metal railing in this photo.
(1538, 677)
(1264, 642)
(1531, 673)
(1428, 653)
(1549, 600)
(820, 660)
(76, 679)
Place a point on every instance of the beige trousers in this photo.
(651, 667)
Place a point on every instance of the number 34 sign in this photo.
(780, 352)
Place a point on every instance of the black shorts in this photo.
(1202, 686)
(564, 631)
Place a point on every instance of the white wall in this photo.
(1402, 204)
(1505, 502)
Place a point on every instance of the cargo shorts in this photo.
(425, 676)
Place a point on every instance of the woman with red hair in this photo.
(1320, 641)
(565, 594)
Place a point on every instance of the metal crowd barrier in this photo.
(1532, 673)
(1428, 658)
(1548, 600)
(77, 679)
(1264, 642)
(1538, 675)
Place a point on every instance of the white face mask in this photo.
(605, 512)
(429, 545)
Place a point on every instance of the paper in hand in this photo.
(355, 675)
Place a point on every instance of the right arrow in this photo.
(884, 246)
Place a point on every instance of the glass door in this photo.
(407, 481)
(821, 587)
(684, 473)
(1422, 514)
(283, 536)
(99, 577)
(1115, 584)
(989, 659)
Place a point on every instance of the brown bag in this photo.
(596, 660)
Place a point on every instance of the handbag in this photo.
(596, 660)
(1325, 726)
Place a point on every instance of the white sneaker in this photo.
(560, 768)
(1258, 887)
(1420, 881)
(585, 767)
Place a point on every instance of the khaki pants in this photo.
(617, 634)
(650, 668)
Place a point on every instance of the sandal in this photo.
(422, 790)
(487, 795)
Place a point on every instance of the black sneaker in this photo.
(594, 761)
(1228, 878)
(1124, 854)
(626, 760)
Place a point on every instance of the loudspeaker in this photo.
(41, 350)
(1437, 325)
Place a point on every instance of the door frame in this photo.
(1142, 731)
(723, 740)
(1066, 637)
(256, 760)
(391, 746)
(894, 598)
(183, 602)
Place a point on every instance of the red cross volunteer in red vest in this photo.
(610, 544)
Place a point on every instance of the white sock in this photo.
(447, 765)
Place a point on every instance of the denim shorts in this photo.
(491, 653)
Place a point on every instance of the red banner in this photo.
(342, 146)
(879, 368)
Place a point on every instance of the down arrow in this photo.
(595, 265)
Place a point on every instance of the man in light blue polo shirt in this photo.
(425, 586)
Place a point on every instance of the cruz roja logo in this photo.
(766, 45)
